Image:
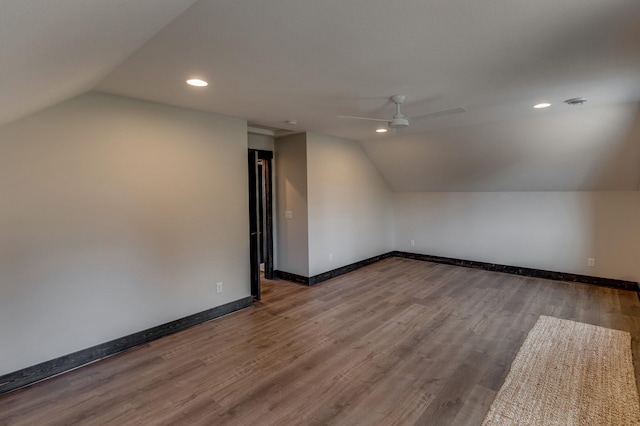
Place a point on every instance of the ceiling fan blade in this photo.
(363, 118)
(440, 113)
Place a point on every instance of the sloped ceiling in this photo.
(51, 51)
(272, 61)
(586, 149)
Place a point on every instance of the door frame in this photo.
(254, 207)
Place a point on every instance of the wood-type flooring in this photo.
(397, 342)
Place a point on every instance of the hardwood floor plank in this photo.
(396, 342)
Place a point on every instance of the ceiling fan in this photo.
(399, 121)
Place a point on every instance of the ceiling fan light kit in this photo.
(399, 123)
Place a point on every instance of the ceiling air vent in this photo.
(575, 101)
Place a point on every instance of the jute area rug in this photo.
(569, 373)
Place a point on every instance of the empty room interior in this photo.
(340, 212)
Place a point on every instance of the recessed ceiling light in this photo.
(381, 130)
(542, 105)
(197, 82)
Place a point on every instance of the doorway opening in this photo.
(260, 217)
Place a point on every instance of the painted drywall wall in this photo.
(555, 231)
(291, 196)
(260, 141)
(350, 214)
(117, 215)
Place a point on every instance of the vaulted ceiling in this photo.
(269, 61)
(51, 51)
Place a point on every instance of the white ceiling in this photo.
(269, 61)
(596, 148)
(51, 51)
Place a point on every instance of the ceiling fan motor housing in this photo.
(399, 123)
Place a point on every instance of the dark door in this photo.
(260, 217)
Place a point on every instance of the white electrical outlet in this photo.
(330, 257)
(219, 287)
(413, 243)
(591, 261)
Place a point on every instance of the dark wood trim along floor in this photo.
(30, 375)
(527, 272)
(514, 270)
(291, 277)
(316, 279)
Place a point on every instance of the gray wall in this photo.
(117, 215)
(260, 141)
(350, 205)
(341, 205)
(555, 231)
(291, 195)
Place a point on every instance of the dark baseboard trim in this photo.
(347, 268)
(528, 272)
(294, 278)
(514, 270)
(31, 375)
(316, 279)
